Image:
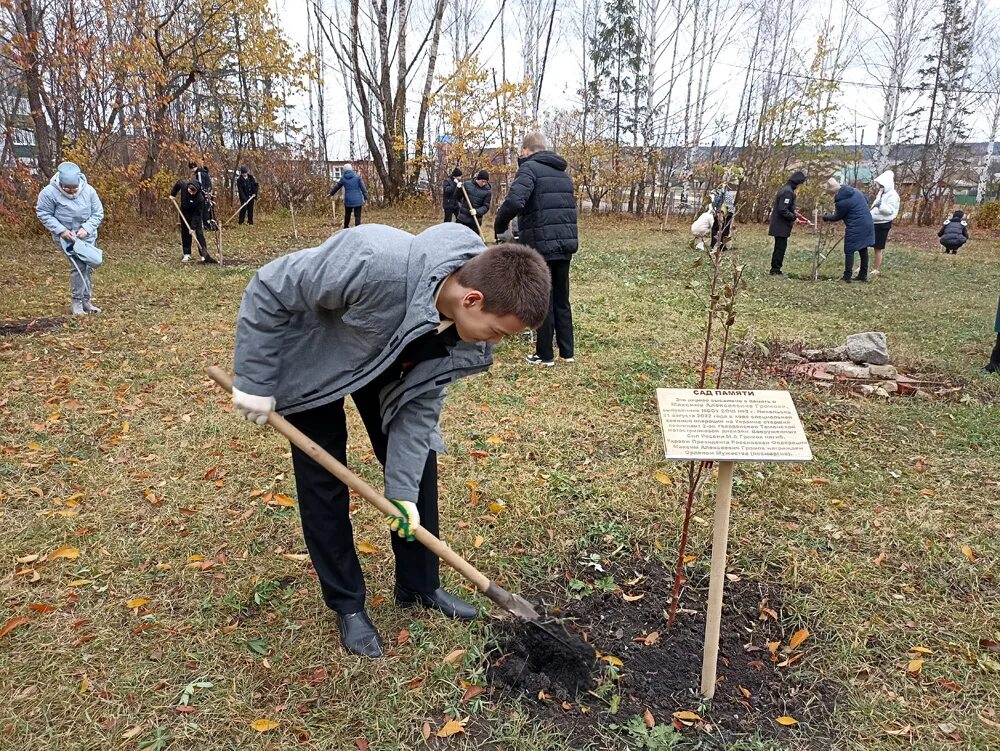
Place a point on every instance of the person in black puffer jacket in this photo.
(450, 195)
(783, 216)
(192, 205)
(543, 199)
(479, 194)
(955, 233)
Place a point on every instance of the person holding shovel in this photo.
(474, 198)
(192, 211)
(246, 189)
(355, 194)
(71, 210)
(783, 218)
(449, 195)
(389, 319)
(851, 208)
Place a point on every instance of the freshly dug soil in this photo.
(664, 675)
(13, 326)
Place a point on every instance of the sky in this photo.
(858, 104)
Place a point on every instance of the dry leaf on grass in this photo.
(921, 650)
(137, 602)
(425, 731)
(913, 666)
(967, 552)
(632, 598)
(786, 721)
(478, 542)
(12, 624)
(455, 657)
(63, 551)
(798, 637)
(648, 718)
(263, 726)
(686, 715)
(452, 727)
(366, 547)
(664, 479)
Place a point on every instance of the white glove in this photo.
(407, 521)
(253, 408)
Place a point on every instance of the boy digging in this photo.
(389, 319)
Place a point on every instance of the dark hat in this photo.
(482, 175)
(958, 215)
(798, 177)
(192, 165)
(194, 184)
(243, 170)
(456, 172)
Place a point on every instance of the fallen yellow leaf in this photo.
(280, 499)
(497, 506)
(296, 556)
(787, 721)
(64, 551)
(612, 660)
(664, 478)
(632, 598)
(84, 685)
(967, 552)
(455, 658)
(494, 440)
(914, 666)
(366, 547)
(921, 650)
(137, 602)
(28, 558)
(452, 727)
(79, 582)
(263, 726)
(798, 637)
(686, 715)
(478, 541)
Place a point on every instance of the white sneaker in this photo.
(536, 360)
(90, 307)
(568, 359)
(873, 273)
(186, 258)
(76, 308)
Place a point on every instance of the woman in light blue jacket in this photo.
(71, 210)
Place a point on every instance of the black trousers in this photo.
(560, 318)
(347, 216)
(450, 215)
(726, 226)
(196, 226)
(324, 504)
(849, 263)
(778, 256)
(247, 212)
(994, 365)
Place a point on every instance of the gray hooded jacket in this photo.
(318, 324)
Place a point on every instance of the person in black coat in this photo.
(543, 200)
(201, 176)
(449, 195)
(479, 193)
(192, 203)
(851, 208)
(954, 233)
(246, 188)
(783, 216)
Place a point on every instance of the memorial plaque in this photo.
(731, 425)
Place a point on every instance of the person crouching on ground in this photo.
(954, 233)
(851, 208)
(192, 202)
(389, 319)
(71, 210)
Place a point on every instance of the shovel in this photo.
(512, 603)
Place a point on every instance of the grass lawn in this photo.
(176, 606)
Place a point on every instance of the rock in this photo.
(890, 387)
(813, 355)
(881, 392)
(870, 347)
(835, 353)
(921, 394)
(793, 358)
(848, 369)
(884, 371)
(867, 389)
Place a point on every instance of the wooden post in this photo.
(218, 242)
(819, 240)
(295, 231)
(720, 540)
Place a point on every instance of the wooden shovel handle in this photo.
(362, 488)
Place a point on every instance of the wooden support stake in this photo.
(720, 540)
(295, 231)
(233, 216)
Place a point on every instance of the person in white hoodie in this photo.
(884, 210)
(72, 211)
(701, 228)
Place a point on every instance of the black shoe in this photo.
(860, 278)
(359, 636)
(777, 272)
(449, 605)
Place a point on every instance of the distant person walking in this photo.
(72, 211)
(474, 198)
(884, 210)
(246, 189)
(544, 202)
(851, 208)
(355, 194)
(783, 216)
(449, 195)
(955, 233)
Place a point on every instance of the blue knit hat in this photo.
(69, 174)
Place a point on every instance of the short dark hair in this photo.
(514, 280)
(192, 165)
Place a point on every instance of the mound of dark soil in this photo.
(14, 326)
(660, 670)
